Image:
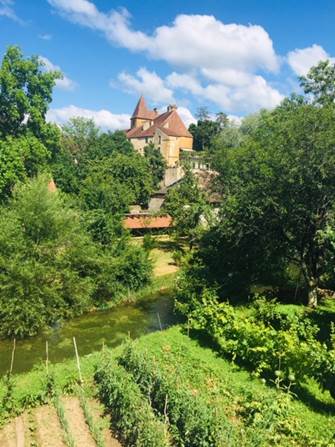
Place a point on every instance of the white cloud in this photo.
(102, 118)
(191, 40)
(221, 61)
(147, 83)
(45, 36)
(185, 81)
(186, 115)
(251, 94)
(7, 10)
(301, 60)
(65, 83)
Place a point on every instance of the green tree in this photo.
(320, 83)
(25, 93)
(206, 129)
(50, 269)
(43, 262)
(19, 158)
(187, 205)
(279, 195)
(156, 162)
(82, 145)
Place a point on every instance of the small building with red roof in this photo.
(166, 131)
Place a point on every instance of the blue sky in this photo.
(231, 56)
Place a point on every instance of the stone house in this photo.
(166, 131)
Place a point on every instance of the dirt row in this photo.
(40, 427)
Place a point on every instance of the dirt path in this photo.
(19, 431)
(77, 424)
(49, 431)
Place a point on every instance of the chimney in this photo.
(171, 107)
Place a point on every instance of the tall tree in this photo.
(206, 129)
(320, 83)
(279, 196)
(25, 93)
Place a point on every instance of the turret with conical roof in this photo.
(142, 114)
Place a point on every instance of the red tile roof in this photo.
(168, 122)
(142, 111)
(137, 221)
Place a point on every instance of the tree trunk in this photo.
(312, 293)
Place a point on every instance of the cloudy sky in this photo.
(235, 56)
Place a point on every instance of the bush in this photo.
(286, 355)
(192, 422)
(132, 416)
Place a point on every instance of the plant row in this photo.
(132, 416)
(192, 422)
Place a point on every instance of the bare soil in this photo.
(49, 432)
(77, 424)
(40, 427)
(8, 435)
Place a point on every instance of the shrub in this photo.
(132, 416)
(285, 355)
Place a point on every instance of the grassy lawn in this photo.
(161, 254)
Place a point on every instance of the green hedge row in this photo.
(132, 416)
(192, 422)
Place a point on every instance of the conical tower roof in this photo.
(142, 111)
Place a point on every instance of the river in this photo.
(92, 330)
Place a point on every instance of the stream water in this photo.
(91, 331)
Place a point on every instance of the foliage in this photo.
(156, 163)
(187, 206)
(49, 266)
(278, 186)
(203, 133)
(132, 417)
(320, 83)
(258, 415)
(96, 429)
(68, 437)
(25, 92)
(191, 422)
(149, 242)
(285, 355)
(19, 158)
(82, 146)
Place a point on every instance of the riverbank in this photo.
(147, 311)
(252, 413)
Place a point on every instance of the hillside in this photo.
(196, 384)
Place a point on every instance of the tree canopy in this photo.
(320, 83)
(278, 191)
(25, 93)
